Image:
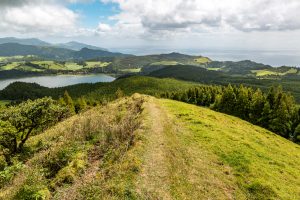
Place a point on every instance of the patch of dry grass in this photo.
(63, 154)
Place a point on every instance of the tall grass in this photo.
(61, 157)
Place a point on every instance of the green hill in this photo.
(53, 53)
(96, 91)
(147, 148)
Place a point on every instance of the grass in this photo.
(165, 63)
(10, 66)
(138, 84)
(76, 158)
(51, 65)
(4, 103)
(133, 70)
(262, 164)
(203, 60)
(214, 69)
(260, 73)
(3, 58)
(141, 147)
(91, 64)
(73, 66)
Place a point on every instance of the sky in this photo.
(158, 25)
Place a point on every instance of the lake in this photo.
(59, 80)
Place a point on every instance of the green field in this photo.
(214, 69)
(96, 64)
(4, 103)
(165, 63)
(147, 148)
(203, 60)
(41, 66)
(260, 73)
(133, 70)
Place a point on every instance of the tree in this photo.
(242, 102)
(282, 115)
(8, 140)
(227, 102)
(256, 106)
(19, 122)
(69, 101)
(295, 134)
(119, 93)
(80, 105)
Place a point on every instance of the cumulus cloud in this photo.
(199, 15)
(103, 27)
(33, 16)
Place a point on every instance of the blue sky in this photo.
(94, 12)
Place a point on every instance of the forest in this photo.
(274, 110)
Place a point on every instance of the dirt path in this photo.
(175, 166)
(154, 179)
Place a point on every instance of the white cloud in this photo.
(204, 15)
(36, 17)
(103, 27)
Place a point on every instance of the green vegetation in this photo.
(44, 66)
(94, 142)
(256, 163)
(141, 147)
(3, 103)
(165, 63)
(76, 158)
(19, 122)
(289, 83)
(261, 73)
(276, 110)
(214, 69)
(98, 92)
(137, 70)
(203, 60)
(97, 64)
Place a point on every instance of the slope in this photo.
(147, 148)
(53, 53)
(96, 91)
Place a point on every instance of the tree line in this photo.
(274, 110)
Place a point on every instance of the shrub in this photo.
(18, 123)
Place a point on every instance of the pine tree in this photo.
(242, 103)
(119, 93)
(256, 106)
(228, 100)
(69, 101)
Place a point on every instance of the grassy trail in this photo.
(174, 170)
(154, 180)
(145, 148)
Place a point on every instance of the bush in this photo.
(18, 123)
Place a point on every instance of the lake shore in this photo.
(59, 80)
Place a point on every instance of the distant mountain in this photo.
(76, 46)
(29, 41)
(241, 67)
(188, 73)
(14, 49)
(159, 60)
(85, 54)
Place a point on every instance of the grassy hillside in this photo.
(97, 91)
(146, 148)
